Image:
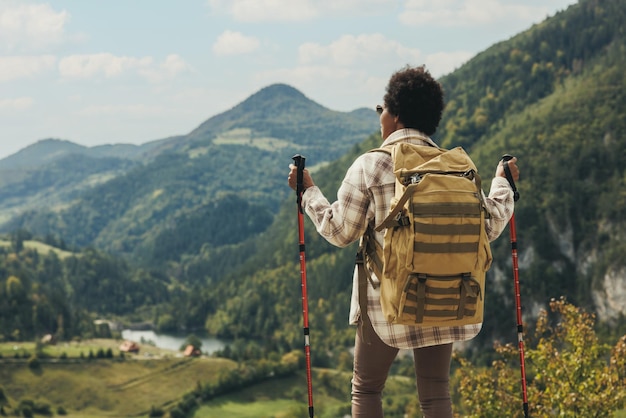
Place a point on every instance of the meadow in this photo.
(74, 378)
(86, 386)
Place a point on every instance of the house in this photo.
(129, 347)
(191, 351)
(48, 339)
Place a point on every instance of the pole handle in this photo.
(509, 177)
(298, 161)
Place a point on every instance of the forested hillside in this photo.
(127, 206)
(213, 225)
(569, 138)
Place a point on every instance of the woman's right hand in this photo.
(512, 166)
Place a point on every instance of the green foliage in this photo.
(569, 372)
(43, 294)
(226, 221)
(512, 75)
(156, 412)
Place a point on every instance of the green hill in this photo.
(207, 225)
(127, 205)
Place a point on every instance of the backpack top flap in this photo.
(410, 159)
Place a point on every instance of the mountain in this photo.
(210, 221)
(125, 199)
(49, 150)
(555, 97)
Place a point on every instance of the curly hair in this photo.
(416, 98)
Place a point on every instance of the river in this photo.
(171, 342)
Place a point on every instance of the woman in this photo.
(412, 109)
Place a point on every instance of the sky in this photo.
(133, 71)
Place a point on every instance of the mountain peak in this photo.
(267, 105)
(274, 90)
(275, 96)
(42, 151)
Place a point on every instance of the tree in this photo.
(17, 239)
(14, 288)
(4, 400)
(569, 372)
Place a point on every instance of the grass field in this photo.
(282, 398)
(104, 387)
(74, 349)
(130, 387)
(39, 246)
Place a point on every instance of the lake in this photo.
(171, 342)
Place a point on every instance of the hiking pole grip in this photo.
(298, 161)
(509, 177)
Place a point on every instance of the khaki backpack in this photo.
(435, 254)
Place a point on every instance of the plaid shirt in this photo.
(363, 201)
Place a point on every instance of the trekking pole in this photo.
(299, 163)
(518, 302)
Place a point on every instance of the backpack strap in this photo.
(386, 149)
(368, 255)
(395, 217)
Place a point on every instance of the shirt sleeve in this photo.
(500, 206)
(344, 221)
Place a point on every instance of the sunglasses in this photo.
(379, 109)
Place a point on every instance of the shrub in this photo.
(156, 412)
(34, 363)
(42, 408)
(568, 371)
(177, 413)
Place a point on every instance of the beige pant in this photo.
(371, 367)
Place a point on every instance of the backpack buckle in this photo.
(402, 220)
(415, 178)
(359, 258)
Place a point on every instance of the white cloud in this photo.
(235, 43)
(295, 10)
(103, 64)
(20, 103)
(110, 66)
(304, 75)
(30, 25)
(132, 110)
(173, 65)
(15, 67)
(350, 50)
(468, 12)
